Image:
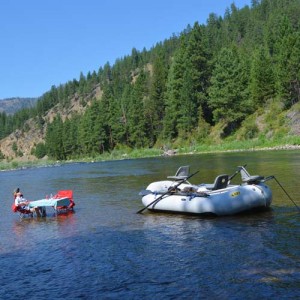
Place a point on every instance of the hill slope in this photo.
(20, 143)
(12, 105)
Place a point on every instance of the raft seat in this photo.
(182, 173)
(250, 179)
(254, 179)
(221, 182)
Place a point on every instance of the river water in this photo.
(104, 250)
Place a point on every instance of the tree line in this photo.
(217, 73)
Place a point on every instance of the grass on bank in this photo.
(261, 143)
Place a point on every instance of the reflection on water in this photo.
(106, 251)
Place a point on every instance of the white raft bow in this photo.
(220, 198)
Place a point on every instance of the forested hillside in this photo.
(209, 83)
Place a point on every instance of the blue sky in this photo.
(49, 42)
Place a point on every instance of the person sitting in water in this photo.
(21, 202)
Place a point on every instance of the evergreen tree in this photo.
(155, 106)
(187, 84)
(40, 150)
(227, 89)
(261, 78)
(173, 93)
(116, 108)
(120, 118)
(198, 70)
(213, 33)
(93, 137)
(137, 121)
(54, 139)
(3, 127)
(187, 114)
(288, 67)
(70, 137)
(82, 87)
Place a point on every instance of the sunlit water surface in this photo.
(104, 250)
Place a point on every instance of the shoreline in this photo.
(42, 163)
(275, 148)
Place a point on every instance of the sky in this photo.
(50, 42)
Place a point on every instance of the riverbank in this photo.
(137, 153)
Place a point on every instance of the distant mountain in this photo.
(12, 105)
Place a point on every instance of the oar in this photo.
(166, 193)
(286, 193)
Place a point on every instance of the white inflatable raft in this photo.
(220, 198)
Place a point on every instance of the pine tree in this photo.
(227, 89)
(198, 70)
(54, 139)
(287, 54)
(261, 78)
(70, 137)
(173, 93)
(187, 84)
(155, 106)
(136, 115)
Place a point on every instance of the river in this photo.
(104, 250)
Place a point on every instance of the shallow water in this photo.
(104, 250)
